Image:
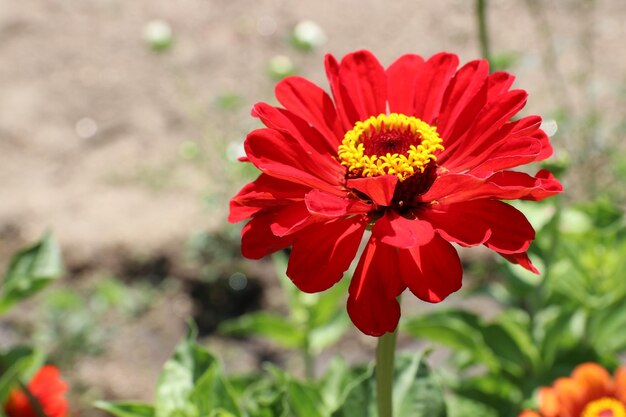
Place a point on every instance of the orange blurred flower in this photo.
(589, 392)
(47, 388)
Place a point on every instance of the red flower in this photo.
(419, 152)
(589, 392)
(48, 389)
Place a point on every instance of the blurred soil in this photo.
(96, 128)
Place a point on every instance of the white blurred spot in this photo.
(281, 66)
(235, 150)
(310, 33)
(550, 127)
(238, 281)
(266, 26)
(158, 34)
(86, 128)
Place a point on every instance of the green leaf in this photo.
(510, 340)
(191, 385)
(457, 329)
(305, 400)
(492, 390)
(552, 331)
(31, 270)
(328, 334)
(211, 393)
(329, 305)
(265, 398)
(126, 409)
(338, 380)
(415, 391)
(17, 364)
(359, 399)
(271, 326)
(220, 412)
(606, 328)
(463, 407)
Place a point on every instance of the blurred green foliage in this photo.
(313, 323)
(29, 271)
(72, 323)
(546, 325)
(192, 384)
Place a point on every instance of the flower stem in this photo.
(483, 30)
(385, 352)
(34, 402)
(307, 357)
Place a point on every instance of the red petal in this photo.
(365, 84)
(511, 153)
(499, 83)
(265, 191)
(401, 78)
(519, 185)
(505, 185)
(280, 156)
(379, 189)
(459, 222)
(464, 87)
(510, 230)
(290, 124)
(433, 271)
(312, 104)
(521, 259)
(49, 390)
(257, 239)
(329, 205)
(322, 253)
(453, 188)
(499, 226)
(238, 212)
(400, 232)
(492, 117)
(372, 303)
(291, 219)
(345, 107)
(431, 84)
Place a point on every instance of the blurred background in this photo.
(121, 123)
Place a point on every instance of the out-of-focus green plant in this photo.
(307, 35)
(314, 321)
(547, 325)
(193, 384)
(158, 35)
(73, 323)
(280, 66)
(30, 271)
(17, 364)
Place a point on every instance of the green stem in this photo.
(34, 402)
(307, 356)
(483, 30)
(385, 352)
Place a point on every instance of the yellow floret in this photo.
(352, 155)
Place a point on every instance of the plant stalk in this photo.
(307, 357)
(483, 30)
(385, 354)
(34, 402)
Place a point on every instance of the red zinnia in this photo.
(47, 388)
(419, 152)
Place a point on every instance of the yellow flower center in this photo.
(604, 407)
(393, 144)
